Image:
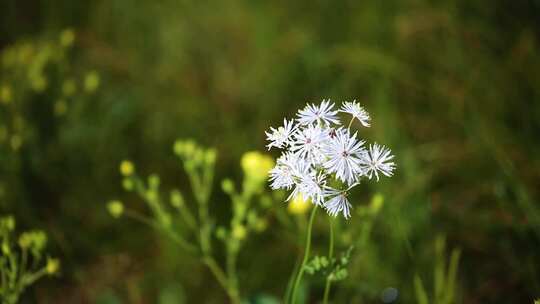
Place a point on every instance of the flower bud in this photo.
(67, 37)
(127, 184)
(153, 181)
(53, 265)
(177, 200)
(127, 168)
(116, 208)
(239, 232)
(299, 205)
(228, 186)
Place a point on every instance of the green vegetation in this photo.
(452, 87)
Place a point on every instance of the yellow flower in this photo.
(52, 265)
(91, 81)
(16, 142)
(116, 208)
(127, 168)
(5, 94)
(60, 107)
(239, 232)
(299, 205)
(256, 165)
(67, 37)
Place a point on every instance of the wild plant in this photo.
(322, 161)
(22, 260)
(201, 233)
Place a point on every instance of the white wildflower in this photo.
(321, 114)
(344, 153)
(318, 151)
(280, 137)
(357, 112)
(337, 202)
(310, 186)
(379, 160)
(307, 143)
(288, 169)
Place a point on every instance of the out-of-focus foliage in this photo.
(21, 260)
(453, 87)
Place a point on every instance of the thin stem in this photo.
(231, 274)
(306, 256)
(350, 123)
(171, 234)
(288, 291)
(216, 271)
(330, 257)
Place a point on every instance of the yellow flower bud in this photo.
(60, 107)
(116, 208)
(239, 232)
(177, 200)
(16, 142)
(256, 165)
(127, 168)
(67, 37)
(91, 82)
(227, 185)
(127, 183)
(53, 265)
(299, 205)
(5, 94)
(376, 203)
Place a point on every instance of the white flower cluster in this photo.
(322, 160)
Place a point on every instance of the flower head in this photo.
(322, 114)
(357, 112)
(318, 152)
(379, 160)
(281, 136)
(343, 154)
(288, 169)
(308, 143)
(337, 203)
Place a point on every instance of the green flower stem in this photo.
(232, 255)
(330, 256)
(222, 279)
(174, 236)
(350, 123)
(306, 256)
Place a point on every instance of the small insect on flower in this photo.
(344, 153)
(322, 114)
(379, 160)
(356, 111)
(281, 136)
(337, 202)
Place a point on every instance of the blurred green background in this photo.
(453, 88)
